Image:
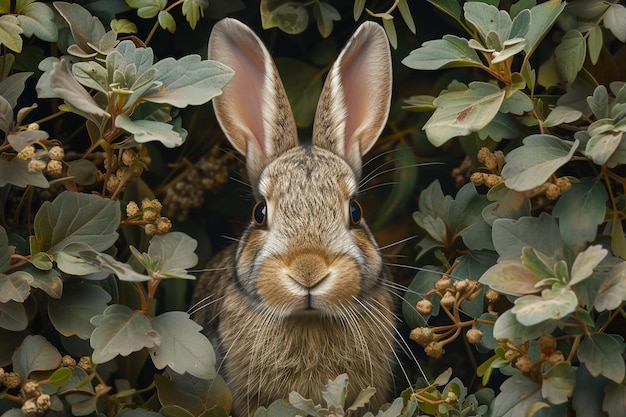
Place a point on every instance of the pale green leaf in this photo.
(71, 314)
(91, 74)
(614, 399)
(48, 281)
(558, 383)
(77, 217)
(335, 392)
(612, 291)
(325, 14)
(35, 354)
(517, 103)
(517, 395)
(405, 12)
(166, 21)
(510, 277)
(16, 172)
(570, 55)
(175, 252)
(502, 126)
(585, 262)
(362, 398)
(450, 7)
(71, 261)
(602, 147)
(390, 30)
(542, 17)
(533, 163)
(449, 52)
(193, 10)
(37, 19)
(105, 262)
(580, 210)
(291, 18)
(599, 102)
(182, 346)
(11, 87)
(87, 30)
(19, 140)
(521, 23)
(120, 331)
(615, 21)
(147, 131)
(538, 264)
(10, 31)
(304, 404)
(13, 316)
(357, 10)
(147, 9)
(541, 233)
(602, 355)
(123, 26)
(420, 103)
(461, 113)
(562, 114)
(15, 286)
(486, 18)
(6, 116)
(554, 303)
(594, 43)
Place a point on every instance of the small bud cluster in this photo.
(150, 216)
(127, 167)
(35, 403)
(48, 162)
(208, 174)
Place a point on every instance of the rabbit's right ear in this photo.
(253, 110)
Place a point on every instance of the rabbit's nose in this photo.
(308, 270)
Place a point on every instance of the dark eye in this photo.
(356, 212)
(259, 213)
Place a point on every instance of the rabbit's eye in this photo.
(356, 212)
(259, 213)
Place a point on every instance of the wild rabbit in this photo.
(302, 297)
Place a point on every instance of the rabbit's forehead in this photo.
(308, 174)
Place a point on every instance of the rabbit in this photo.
(301, 298)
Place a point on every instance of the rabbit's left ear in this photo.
(355, 101)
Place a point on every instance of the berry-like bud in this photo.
(424, 307)
(163, 225)
(448, 300)
(12, 380)
(556, 357)
(421, 335)
(85, 363)
(552, 192)
(524, 363)
(131, 209)
(33, 126)
(30, 389)
(443, 283)
(434, 350)
(492, 296)
(112, 183)
(26, 153)
(68, 361)
(546, 344)
(564, 184)
(492, 180)
(129, 156)
(478, 178)
(54, 168)
(56, 153)
(36, 166)
(474, 336)
(43, 404)
(150, 229)
(29, 408)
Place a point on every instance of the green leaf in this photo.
(120, 331)
(169, 256)
(182, 347)
(580, 211)
(390, 30)
(77, 217)
(558, 383)
(291, 18)
(13, 316)
(324, 14)
(193, 394)
(510, 277)
(542, 17)
(278, 408)
(595, 42)
(614, 398)
(450, 7)
(517, 103)
(166, 21)
(71, 314)
(511, 236)
(6, 115)
(554, 303)
(10, 31)
(303, 85)
(15, 286)
(147, 131)
(335, 391)
(48, 281)
(12, 87)
(604, 143)
(35, 354)
(147, 9)
(38, 19)
(602, 355)
(405, 12)
(463, 112)
(105, 262)
(517, 395)
(92, 74)
(193, 10)
(60, 377)
(533, 163)
(82, 171)
(562, 114)
(612, 290)
(585, 263)
(599, 102)
(618, 238)
(15, 172)
(362, 398)
(449, 52)
(615, 21)
(570, 55)
(71, 261)
(5, 251)
(488, 19)
(304, 404)
(58, 82)
(86, 29)
(124, 26)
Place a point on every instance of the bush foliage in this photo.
(503, 156)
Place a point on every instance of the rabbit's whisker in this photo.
(399, 242)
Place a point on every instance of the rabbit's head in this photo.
(307, 250)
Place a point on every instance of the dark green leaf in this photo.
(290, 17)
(82, 171)
(13, 316)
(614, 399)
(451, 7)
(182, 347)
(594, 43)
(35, 354)
(71, 314)
(120, 331)
(324, 13)
(11, 87)
(16, 172)
(612, 290)
(77, 217)
(542, 17)
(303, 85)
(511, 236)
(86, 29)
(602, 355)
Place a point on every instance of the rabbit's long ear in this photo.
(356, 97)
(253, 109)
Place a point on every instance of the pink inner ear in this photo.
(357, 84)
